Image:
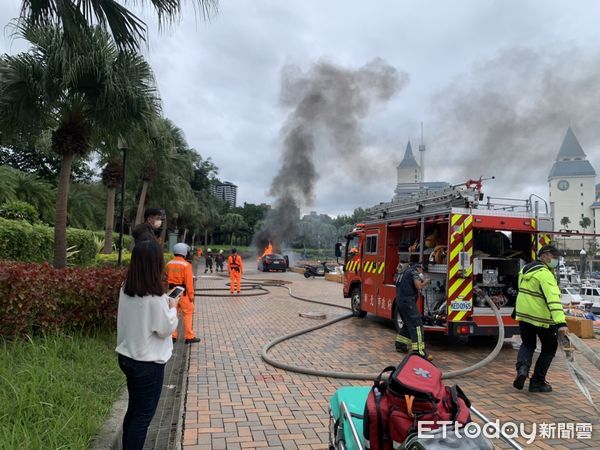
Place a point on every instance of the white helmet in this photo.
(181, 249)
(208, 250)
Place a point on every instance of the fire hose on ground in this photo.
(580, 376)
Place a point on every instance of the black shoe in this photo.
(174, 340)
(520, 379)
(539, 386)
(401, 348)
(193, 340)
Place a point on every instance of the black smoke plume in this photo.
(328, 103)
(509, 115)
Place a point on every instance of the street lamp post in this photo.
(123, 147)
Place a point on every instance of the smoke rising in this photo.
(508, 117)
(328, 103)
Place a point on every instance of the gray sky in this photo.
(495, 82)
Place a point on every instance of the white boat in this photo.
(569, 295)
(590, 292)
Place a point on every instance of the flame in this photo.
(268, 250)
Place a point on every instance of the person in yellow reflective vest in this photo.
(540, 314)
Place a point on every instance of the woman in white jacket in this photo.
(146, 319)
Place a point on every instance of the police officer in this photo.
(540, 314)
(409, 281)
(179, 273)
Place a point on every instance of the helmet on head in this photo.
(181, 249)
(208, 250)
(220, 252)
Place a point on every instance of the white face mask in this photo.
(157, 223)
(554, 263)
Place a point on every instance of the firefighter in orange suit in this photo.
(235, 267)
(179, 273)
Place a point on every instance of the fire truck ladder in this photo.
(427, 203)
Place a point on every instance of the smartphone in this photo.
(176, 292)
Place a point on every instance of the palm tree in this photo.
(112, 177)
(232, 223)
(82, 93)
(584, 223)
(565, 221)
(75, 17)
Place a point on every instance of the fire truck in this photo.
(473, 251)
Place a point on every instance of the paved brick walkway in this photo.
(235, 400)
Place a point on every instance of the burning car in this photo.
(272, 261)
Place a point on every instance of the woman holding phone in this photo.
(146, 318)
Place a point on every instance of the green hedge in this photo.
(112, 259)
(21, 241)
(127, 239)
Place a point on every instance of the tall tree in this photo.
(112, 177)
(75, 17)
(82, 93)
(565, 221)
(233, 223)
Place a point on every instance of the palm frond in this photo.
(127, 29)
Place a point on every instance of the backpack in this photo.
(413, 392)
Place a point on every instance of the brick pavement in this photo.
(235, 400)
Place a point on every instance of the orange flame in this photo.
(268, 250)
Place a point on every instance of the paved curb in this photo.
(109, 436)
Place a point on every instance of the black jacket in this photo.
(143, 232)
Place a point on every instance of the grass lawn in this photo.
(56, 391)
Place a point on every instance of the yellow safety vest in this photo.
(538, 301)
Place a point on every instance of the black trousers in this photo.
(144, 384)
(411, 333)
(548, 338)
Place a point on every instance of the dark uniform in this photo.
(410, 336)
(144, 232)
(209, 262)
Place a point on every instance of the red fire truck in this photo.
(472, 250)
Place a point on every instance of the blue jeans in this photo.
(144, 384)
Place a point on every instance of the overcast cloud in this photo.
(495, 82)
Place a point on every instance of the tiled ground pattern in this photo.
(235, 400)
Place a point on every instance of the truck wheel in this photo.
(355, 303)
(398, 322)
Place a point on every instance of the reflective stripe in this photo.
(176, 261)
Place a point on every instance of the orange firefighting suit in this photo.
(235, 267)
(179, 273)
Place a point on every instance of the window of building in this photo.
(582, 205)
(582, 194)
(581, 184)
(371, 244)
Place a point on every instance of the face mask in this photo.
(554, 263)
(157, 223)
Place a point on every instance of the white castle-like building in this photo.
(411, 175)
(573, 191)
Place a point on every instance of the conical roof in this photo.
(570, 148)
(409, 160)
(571, 159)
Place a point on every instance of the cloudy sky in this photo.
(496, 84)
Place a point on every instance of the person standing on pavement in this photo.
(208, 259)
(180, 273)
(409, 281)
(219, 260)
(540, 315)
(145, 320)
(235, 267)
(147, 230)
